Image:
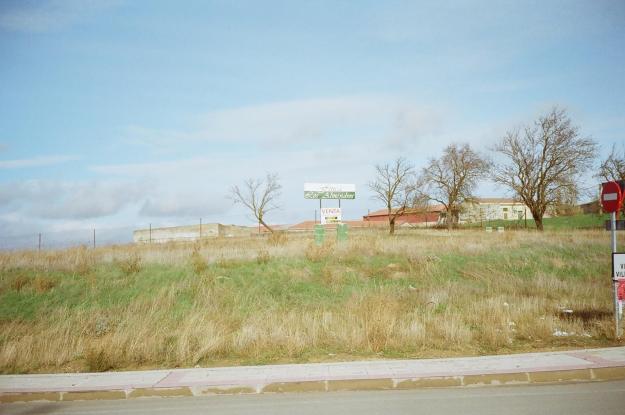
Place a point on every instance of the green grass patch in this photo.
(584, 221)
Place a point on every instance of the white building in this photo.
(493, 208)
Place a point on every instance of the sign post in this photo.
(618, 276)
(329, 215)
(611, 201)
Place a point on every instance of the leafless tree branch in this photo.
(393, 186)
(451, 179)
(259, 196)
(542, 162)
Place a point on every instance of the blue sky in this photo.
(120, 113)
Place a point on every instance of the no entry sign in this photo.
(611, 196)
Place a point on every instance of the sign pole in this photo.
(611, 201)
(614, 281)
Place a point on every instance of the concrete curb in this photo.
(173, 383)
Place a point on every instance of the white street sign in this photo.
(618, 266)
(330, 215)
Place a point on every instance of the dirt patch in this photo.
(587, 316)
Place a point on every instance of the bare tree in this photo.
(451, 179)
(258, 195)
(543, 161)
(613, 167)
(393, 186)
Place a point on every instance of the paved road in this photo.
(570, 399)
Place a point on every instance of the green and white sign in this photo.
(329, 191)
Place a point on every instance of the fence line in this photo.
(93, 237)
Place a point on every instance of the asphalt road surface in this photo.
(571, 399)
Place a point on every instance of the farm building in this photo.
(493, 208)
(189, 233)
(481, 209)
(417, 217)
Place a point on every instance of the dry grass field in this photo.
(421, 293)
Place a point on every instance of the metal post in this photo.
(525, 214)
(614, 282)
(315, 216)
(339, 203)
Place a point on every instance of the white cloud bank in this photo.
(291, 124)
(36, 161)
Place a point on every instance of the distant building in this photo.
(493, 208)
(591, 207)
(480, 209)
(189, 233)
(417, 217)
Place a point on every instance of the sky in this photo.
(119, 114)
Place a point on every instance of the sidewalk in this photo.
(579, 365)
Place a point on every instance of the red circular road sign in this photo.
(611, 196)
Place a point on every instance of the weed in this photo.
(20, 282)
(262, 256)
(421, 293)
(130, 265)
(316, 253)
(43, 284)
(278, 238)
(97, 359)
(198, 263)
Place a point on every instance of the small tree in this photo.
(613, 167)
(542, 162)
(258, 195)
(393, 186)
(451, 179)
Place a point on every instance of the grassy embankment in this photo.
(566, 223)
(422, 293)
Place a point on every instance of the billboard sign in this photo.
(329, 191)
(330, 215)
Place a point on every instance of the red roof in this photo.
(384, 212)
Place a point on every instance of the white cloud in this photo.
(291, 124)
(184, 204)
(47, 199)
(36, 161)
(47, 15)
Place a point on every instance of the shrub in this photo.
(316, 253)
(278, 238)
(97, 360)
(130, 265)
(20, 282)
(43, 284)
(262, 256)
(198, 263)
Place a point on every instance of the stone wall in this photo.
(176, 233)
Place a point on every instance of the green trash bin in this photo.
(320, 234)
(341, 232)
